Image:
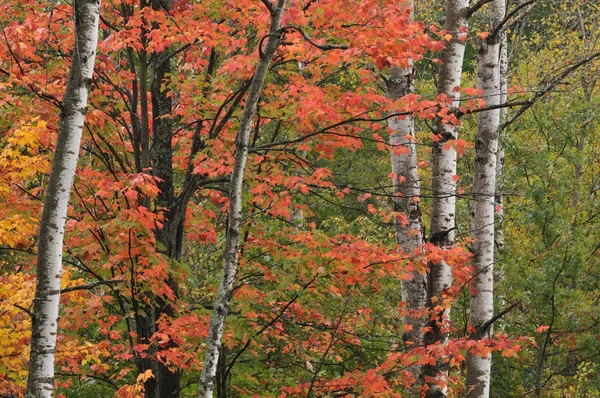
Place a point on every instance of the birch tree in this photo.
(483, 192)
(503, 97)
(500, 155)
(45, 314)
(443, 204)
(230, 253)
(407, 191)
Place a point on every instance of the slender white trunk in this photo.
(443, 204)
(499, 195)
(500, 156)
(221, 308)
(483, 193)
(407, 191)
(40, 382)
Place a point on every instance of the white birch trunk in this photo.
(499, 195)
(40, 382)
(443, 204)
(407, 191)
(500, 156)
(483, 193)
(221, 307)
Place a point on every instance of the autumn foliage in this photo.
(317, 308)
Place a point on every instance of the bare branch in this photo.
(24, 310)
(501, 25)
(483, 328)
(269, 6)
(528, 104)
(91, 285)
(472, 10)
(323, 47)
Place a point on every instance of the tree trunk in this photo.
(483, 193)
(499, 194)
(499, 201)
(230, 254)
(407, 192)
(165, 383)
(443, 203)
(40, 382)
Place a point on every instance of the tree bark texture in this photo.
(443, 204)
(40, 382)
(221, 307)
(407, 192)
(499, 194)
(499, 201)
(483, 194)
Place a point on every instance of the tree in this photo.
(443, 204)
(484, 193)
(407, 192)
(40, 382)
(234, 220)
(315, 307)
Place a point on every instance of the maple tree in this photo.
(253, 139)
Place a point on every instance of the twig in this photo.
(500, 26)
(323, 47)
(528, 104)
(91, 285)
(483, 328)
(472, 10)
(268, 325)
(24, 310)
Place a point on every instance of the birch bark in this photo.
(407, 192)
(40, 382)
(483, 193)
(503, 98)
(443, 204)
(230, 254)
(499, 194)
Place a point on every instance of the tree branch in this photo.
(269, 6)
(472, 10)
(483, 328)
(268, 325)
(528, 104)
(500, 26)
(91, 285)
(24, 310)
(323, 47)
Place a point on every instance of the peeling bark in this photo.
(221, 307)
(40, 382)
(483, 193)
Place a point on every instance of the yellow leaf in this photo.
(143, 377)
